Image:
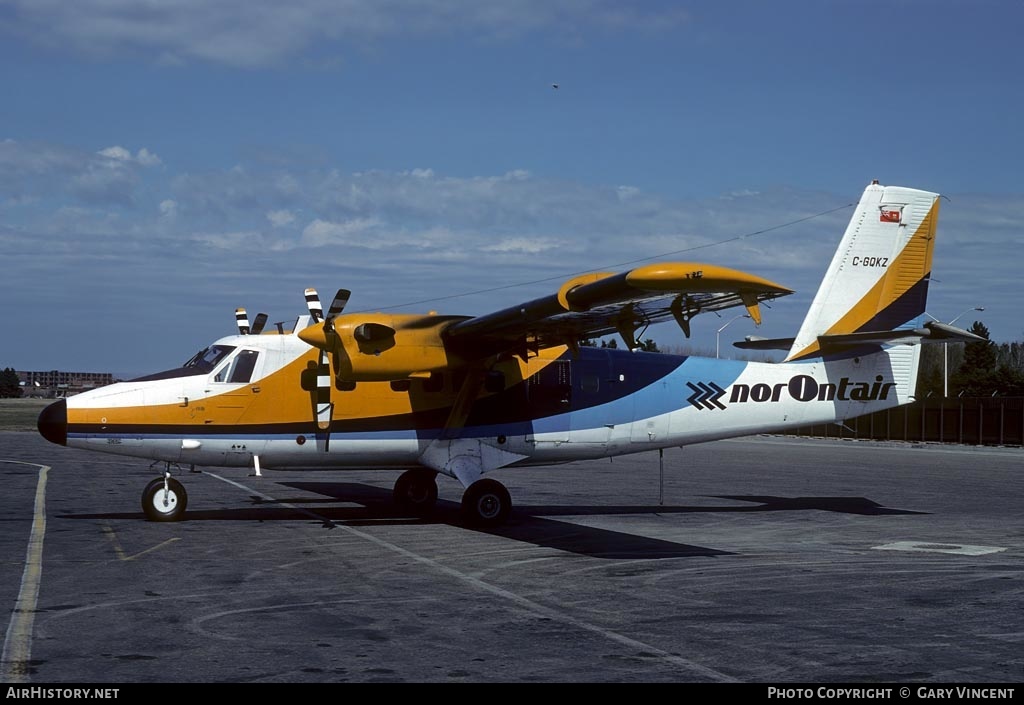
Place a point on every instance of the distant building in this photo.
(56, 383)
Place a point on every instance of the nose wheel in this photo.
(164, 499)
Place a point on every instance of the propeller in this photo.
(242, 319)
(324, 407)
(313, 304)
(338, 305)
(258, 324)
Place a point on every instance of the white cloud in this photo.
(168, 208)
(147, 158)
(281, 218)
(524, 245)
(353, 233)
(119, 154)
(116, 153)
(265, 32)
(31, 170)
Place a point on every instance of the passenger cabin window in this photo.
(240, 369)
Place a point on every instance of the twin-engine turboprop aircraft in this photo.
(465, 396)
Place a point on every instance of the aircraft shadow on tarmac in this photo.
(530, 524)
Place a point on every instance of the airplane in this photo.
(466, 396)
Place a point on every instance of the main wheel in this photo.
(160, 504)
(486, 503)
(416, 492)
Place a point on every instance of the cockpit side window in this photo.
(243, 366)
(240, 369)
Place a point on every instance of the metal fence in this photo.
(975, 421)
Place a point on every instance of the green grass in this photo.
(21, 414)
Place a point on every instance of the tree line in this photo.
(10, 384)
(981, 369)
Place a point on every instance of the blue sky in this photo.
(164, 163)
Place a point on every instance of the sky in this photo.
(162, 164)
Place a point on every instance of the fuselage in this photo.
(253, 399)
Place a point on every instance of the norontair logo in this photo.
(799, 388)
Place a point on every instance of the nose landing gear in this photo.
(164, 499)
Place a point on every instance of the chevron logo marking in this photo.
(706, 396)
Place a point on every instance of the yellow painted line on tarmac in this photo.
(17, 652)
(119, 552)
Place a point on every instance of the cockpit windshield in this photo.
(206, 359)
(202, 363)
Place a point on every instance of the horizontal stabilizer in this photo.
(754, 342)
(932, 332)
(946, 333)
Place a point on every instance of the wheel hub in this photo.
(165, 501)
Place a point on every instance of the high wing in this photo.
(594, 305)
(368, 347)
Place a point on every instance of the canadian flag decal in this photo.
(889, 215)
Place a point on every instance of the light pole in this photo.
(719, 333)
(945, 351)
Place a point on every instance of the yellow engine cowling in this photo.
(381, 347)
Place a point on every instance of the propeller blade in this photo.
(316, 310)
(242, 320)
(338, 304)
(324, 406)
(258, 324)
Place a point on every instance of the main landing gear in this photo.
(164, 499)
(485, 503)
(416, 492)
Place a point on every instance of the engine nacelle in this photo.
(380, 347)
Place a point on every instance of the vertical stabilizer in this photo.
(878, 279)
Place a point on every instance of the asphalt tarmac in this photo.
(770, 560)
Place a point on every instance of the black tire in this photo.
(416, 492)
(486, 503)
(164, 506)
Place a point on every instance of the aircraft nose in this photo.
(53, 423)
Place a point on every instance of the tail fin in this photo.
(878, 279)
